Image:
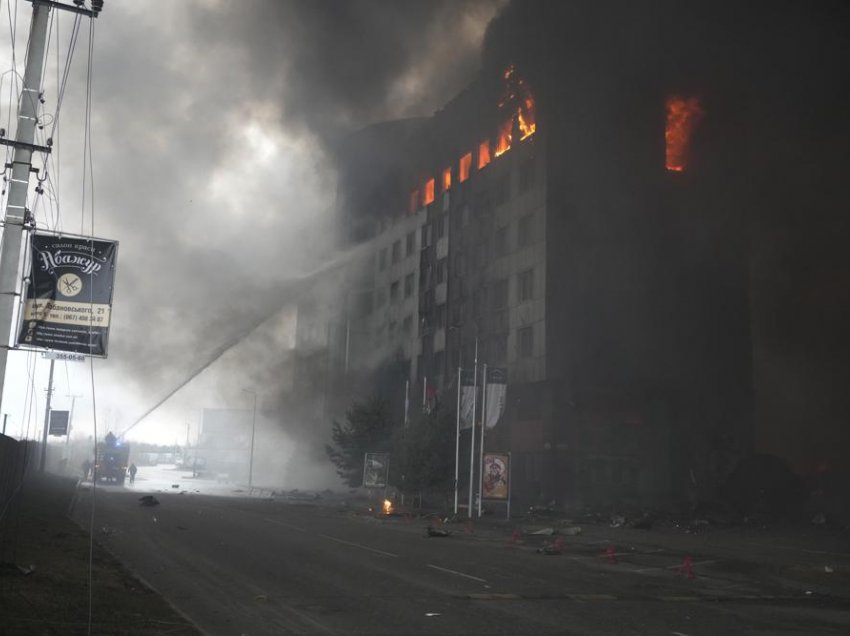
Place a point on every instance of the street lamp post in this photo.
(253, 430)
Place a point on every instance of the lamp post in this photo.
(253, 429)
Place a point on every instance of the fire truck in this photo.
(113, 457)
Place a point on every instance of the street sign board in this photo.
(68, 301)
(58, 423)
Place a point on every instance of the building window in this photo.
(440, 321)
(499, 348)
(525, 230)
(500, 294)
(410, 246)
(382, 259)
(483, 154)
(527, 174)
(394, 291)
(447, 179)
(525, 285)
(426, 236)
(500, 241)
(397, 251)
(464, 167)
(428, 196)
(502, 189)
(407, 326)
(442, 271)
(414, 202)
(408, 286)
(525, 338)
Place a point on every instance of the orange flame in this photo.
(527, 118)
(464, 167)
(388, 506)
(447, 179)
(428, 196)
(483, 154)
(503, 143)
(682, 117)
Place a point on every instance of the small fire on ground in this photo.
(388, 507)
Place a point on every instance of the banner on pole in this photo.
(68, 302)
(376, 468)
(467, 397)
(496, 476)
(58, 425)
(497, 390)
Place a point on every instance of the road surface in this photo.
(260, 566)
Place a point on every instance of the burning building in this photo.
(581, 216)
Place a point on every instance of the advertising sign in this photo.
(68, 302)
(496, 476)
(58, 423)
(376, 468)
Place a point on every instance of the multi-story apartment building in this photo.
(585, 252)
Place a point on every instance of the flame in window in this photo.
(428, 196)
(464, 167)
(683, 114)
(447, 179)
(483, 154)
(503, 141)
(518, 100)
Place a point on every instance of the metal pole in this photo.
(6, 416)
(457, 436)
(47, 417)
(481, 454)
(472, 442)
(253, 429)
(16, 213)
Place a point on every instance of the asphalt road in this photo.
(259, 566)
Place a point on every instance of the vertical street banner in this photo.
(467, 397)
(68, 301)
(376, 469)
(496, 476)
(497, 390)
(58, 425)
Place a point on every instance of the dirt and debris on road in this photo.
(53, 596)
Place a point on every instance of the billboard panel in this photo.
(68, 302)
(496, 476)
(58, 425)
(376, 468)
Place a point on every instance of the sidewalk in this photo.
(44, 582)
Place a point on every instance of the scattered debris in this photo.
(687, 568)
(618, 521)
(148, 500)
(819, 519)
(571, 531)
(437, 532)
(175, 486)
(182, 528)
(551, 549)
(261, 598)
(107, 531)
(611, 553)
(14, 568)
(548, 532)
(644, 522)
(828, 569)
(431, 614)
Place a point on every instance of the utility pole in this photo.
(70, 422)
(17, 215)
(47, 416)
(16, 210)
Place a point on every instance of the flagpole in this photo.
(457, 437)
(481, 455)
(424, 391)
(472, 442)
(406, 401)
